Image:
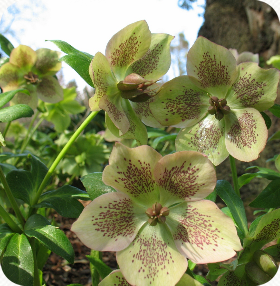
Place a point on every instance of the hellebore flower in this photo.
(134, 61)
(32, 71)
(157, 216)
(218, 104)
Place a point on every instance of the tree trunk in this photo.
(245, 25)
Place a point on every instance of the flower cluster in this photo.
(158, 216)
(34, 71)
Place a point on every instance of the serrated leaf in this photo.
(6, 45)
(234, 203)
(95, 186)
(5, 235)
(267, 120)
(51, 237)
(18, 263)
(62, 201)
(7, 96)
(14, 112)
(269, 197)
(25, 184)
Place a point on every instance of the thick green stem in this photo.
(11, 198)
(6, 217)
(6, 129)
(234, 175)
(36, 281)
(61, 155)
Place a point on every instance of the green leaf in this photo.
(275, 110)
(62, 201)
(274, 136)
(214, 271)
(5, 235)
(274, 251)
(18, 263)
(163, 138)
(76, 59)
(267, 120)
(275, 61)
(50, 236)
(95, 186)
(100, 266)
(269, 197)
(6, 45)
(14, 112)
(7, 96)
(234, 203)
(24, 184)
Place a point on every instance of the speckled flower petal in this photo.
(156, 62)
(152, 258)
(206, 137)
(213, 65)
(184, 176)
(143, 111)
(114, 278)
(49, 90)
(23, 98)
(114, 108)
(130, 171)
(246, 134)
(255, 87)
(47, 62)
(202, 232)
(23, 57)
(180, 103)
(110, 222)
(127, 46)
(10, 77)
(103, 79)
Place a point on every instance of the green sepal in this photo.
(18, 263)
(76, 59)
(5, 235)
(24, 184)
(275, 61)
(95, 186)
(6, 45)
(53, 238)
(7, 96)
(269, 197)
(235, 204)
(62, 201)
(14, 112)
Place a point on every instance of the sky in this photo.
(90, 24)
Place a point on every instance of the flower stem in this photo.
(6, 129)
(234, 175)
(11, 198)
(36, 280)
(6, 217)
(61, 155)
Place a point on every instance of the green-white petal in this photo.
(110, 222)
(127, 46)
(245, 134)
(184, 176)
(114, 278)
(23, 57)
(152, 258)
(254, 87)
(213, 65)
(156, 62)
(23, 98)
(49, 90)
(47, 62)
(11, 77)
(207, 136)
(103, 79)
(180, 103)
(130, 171)
(202, 232)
